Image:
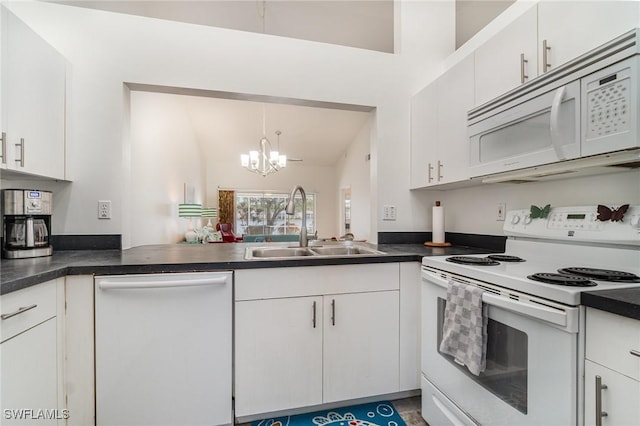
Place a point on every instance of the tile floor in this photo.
(409, 410)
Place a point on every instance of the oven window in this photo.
(507, 352)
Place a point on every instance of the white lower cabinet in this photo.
(29, 376)
(360, 345)
(612, 370)
(620, 400)
(278, 354)
(313, 335)
(30, 359)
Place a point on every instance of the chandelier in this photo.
(267, 160)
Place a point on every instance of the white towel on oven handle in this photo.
(464, 330)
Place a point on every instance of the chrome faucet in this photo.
(304, 241)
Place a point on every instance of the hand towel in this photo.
(464, 331)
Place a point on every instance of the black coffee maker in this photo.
(26, 217)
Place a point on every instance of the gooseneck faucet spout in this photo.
(304, 241)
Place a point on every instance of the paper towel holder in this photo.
(437, 244)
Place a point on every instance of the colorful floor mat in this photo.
(373, 414)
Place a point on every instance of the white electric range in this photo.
(535, 328)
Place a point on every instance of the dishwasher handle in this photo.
(128, 285)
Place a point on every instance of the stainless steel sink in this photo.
(279, 253)
(343, 251)
(270, 252)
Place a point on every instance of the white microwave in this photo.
(587, 108)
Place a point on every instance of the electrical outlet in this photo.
(389, 213)
(501, 211)
(104, 209)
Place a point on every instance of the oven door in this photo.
(542, 130)
(532, 367)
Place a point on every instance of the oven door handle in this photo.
(541, 312)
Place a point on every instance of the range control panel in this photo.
(604, 224)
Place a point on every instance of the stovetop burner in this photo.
(602, 274)
(505, 258)
(562, 279)
(468, 260)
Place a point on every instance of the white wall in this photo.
(106, 49)
(165, 154)
(352, 171)
(473, 210)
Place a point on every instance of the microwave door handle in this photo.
(554, 128)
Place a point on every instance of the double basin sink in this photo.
(258, 253)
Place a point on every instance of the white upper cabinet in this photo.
(33, 101)
(508, 59)
(546, 36)
(439, 141)
(423, 136)
(570, 29)
(455, 98)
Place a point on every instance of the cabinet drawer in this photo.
(21, 303)
(610, 340)
(274, 283)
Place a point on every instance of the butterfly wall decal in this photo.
(614, 215)
(539, 212)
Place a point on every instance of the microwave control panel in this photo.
(608, 104)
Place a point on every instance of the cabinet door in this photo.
(424, 132)
(498, 65)
(455, 99)
(619, 399)
(361, 338)
(35, 103)
(29, 375)
(572, 28)
(278, 354)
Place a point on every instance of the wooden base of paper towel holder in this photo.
(432, 244)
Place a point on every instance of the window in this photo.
(263, 213)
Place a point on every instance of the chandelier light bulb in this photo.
(265, 161)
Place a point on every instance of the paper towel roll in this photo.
(438, 223)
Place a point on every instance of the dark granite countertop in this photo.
(625, 301)
(20, 273)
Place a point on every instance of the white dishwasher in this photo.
(164, 349)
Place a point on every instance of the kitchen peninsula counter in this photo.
(21, 273)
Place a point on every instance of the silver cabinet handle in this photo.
(545, 56)
(18, 312)
(314, 314)
(599, 413)
(523, 75)
(634, 352)
(3, 153)
(440, 166)
(21, 145)
(429, 169)
(333, 311)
